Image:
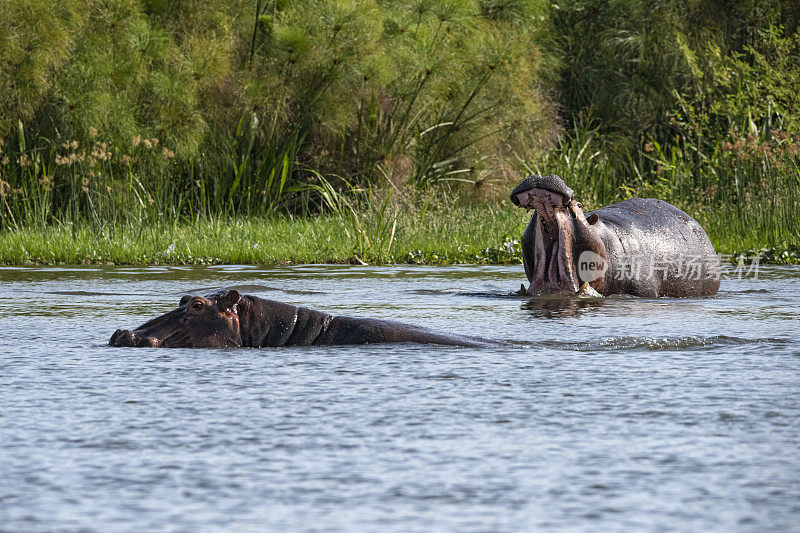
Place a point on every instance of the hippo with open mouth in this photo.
(640, 246)
(228, 318)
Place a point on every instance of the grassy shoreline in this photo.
(147, 132)
(478, 234)
(473, 235)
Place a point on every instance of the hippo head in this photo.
(197, 322)
(557, 237)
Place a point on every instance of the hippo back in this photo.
(655, 249)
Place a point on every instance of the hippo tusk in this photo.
(540, 254)
(566, 269)
(552, 273)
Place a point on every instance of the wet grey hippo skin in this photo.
(640, 246)
(230, 319)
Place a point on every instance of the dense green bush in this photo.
(230, 101)
(627, 64)
(150, 112)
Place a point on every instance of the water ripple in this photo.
(625, 414)
(663, 343)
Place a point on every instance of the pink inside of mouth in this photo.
(553, 263)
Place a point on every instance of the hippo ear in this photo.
(228, 300)
(592, 219)
(185, 299)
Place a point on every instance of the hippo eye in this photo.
(198, 305)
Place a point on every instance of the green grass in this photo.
(475, 233)
(462, 235)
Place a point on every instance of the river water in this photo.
(616, 414)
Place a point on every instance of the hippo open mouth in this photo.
(639, 246)
(558, 233)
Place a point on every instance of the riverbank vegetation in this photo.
(480, 233)
(139, 131)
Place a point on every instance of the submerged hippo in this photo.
(640, 246)
(230, 319)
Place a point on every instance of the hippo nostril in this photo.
(122, 337)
